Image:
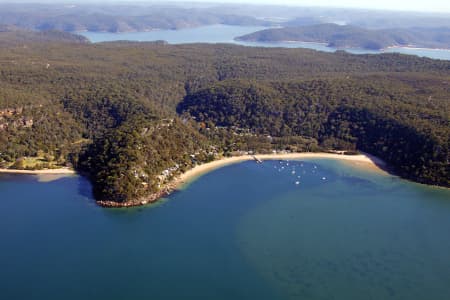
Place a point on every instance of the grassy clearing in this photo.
(35, 163)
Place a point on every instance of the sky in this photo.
(407, 5)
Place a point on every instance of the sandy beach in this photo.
(365, 161)
(61, 171)
(362, 161)
(46, 175)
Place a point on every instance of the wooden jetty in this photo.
(257, 159)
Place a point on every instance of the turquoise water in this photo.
(246, 231)
(227, 33)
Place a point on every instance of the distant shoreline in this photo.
(415, 48)
(365, 161)
(381, 50)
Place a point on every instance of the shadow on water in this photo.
(85, 188)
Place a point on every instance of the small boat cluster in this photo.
(298, 170)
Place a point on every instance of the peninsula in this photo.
(349, 36)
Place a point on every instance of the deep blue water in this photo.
(226, 34)
(246, 231)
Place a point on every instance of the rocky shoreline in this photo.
(164, 192)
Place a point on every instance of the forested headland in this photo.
(350, 36)
(132, 116)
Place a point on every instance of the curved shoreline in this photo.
(365, 161)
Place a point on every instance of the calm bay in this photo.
(311, 229)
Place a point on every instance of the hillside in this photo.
(134, 115)
(355, 37)
(115, 17)
(10, 36)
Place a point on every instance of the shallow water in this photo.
(246, 231)
(226, 34)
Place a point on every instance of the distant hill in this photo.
(10, 36)
(116, 18)
(355, 37)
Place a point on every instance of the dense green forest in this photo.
(372, 114)
(348, 36)
(12, 36)
(131, 116)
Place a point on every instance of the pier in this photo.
(257, 159)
